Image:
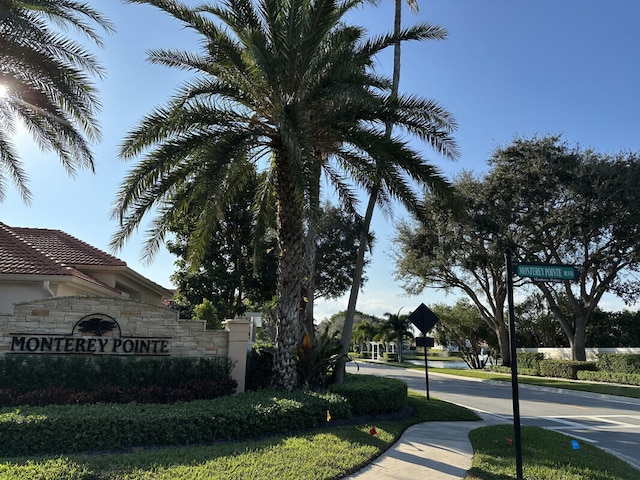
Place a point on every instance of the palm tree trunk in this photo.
(289, 284)
(347, 330)
(366, 225)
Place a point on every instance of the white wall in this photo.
(565, 353)
(12, 293)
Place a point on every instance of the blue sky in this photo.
(507, 69)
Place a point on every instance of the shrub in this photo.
(564, 368)
(44, 380)
(73, 428)
(521, 371)
(259, 367)
(610, 377)
(619, 363)
(371, 395)
(529, 361)
(317, 358)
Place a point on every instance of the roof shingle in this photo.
(39, 251)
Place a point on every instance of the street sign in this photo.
(547, 272)
(428, 342)
(423, 318)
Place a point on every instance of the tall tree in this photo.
(46, 79)
(377, 194)
(567, 205)
(462, 326)
(277, 82)
(463, 252)
(238, 268)
(337, 240)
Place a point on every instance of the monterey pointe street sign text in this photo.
(547, 272)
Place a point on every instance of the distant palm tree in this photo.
(286, 85)
(46, 82)
(397, 327)
(363, 333)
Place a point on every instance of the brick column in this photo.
(239, 331)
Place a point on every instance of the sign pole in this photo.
(514, 366)
(424, 319)
(426, 367)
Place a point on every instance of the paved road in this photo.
(609, 422)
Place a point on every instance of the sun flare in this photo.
(4, 91)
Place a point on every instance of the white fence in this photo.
(565, 353)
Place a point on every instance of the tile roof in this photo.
(39, 251)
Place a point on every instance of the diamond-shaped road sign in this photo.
(423, 318)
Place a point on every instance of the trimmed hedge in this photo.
(610, 377)
(529, 362)
(564, 368)
(67, 429)
(35, 372)
(619, 363)
(372, 395)
(45, 380)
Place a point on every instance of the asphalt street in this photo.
(606, 421)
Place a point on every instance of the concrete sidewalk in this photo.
(431, 450)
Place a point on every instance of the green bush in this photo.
(500, 369)
(259, 367)
(610, 377)
(35, 372)
(521, 371)
(564, 368)
(619, 363)
(371, 395)
(529, 361)
(65, 429)
(43, 380)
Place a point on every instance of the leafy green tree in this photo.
(277, 82)
(536, 324)
(567, 205)
(338, 239)
(613, 329)
(462, 252)
(47, 78)
(207, 311)
(462, 325)
(238, 268)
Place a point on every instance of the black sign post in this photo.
(514, 366)
(424, 320)
(538, 272)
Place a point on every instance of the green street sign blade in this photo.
(543, 271)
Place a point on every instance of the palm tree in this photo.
(46, 79)
(363, 333)
(376, 193)
(286, 85)
(399, 328)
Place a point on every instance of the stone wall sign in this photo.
(94, 334)
(115, 326)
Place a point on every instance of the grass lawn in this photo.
(546, 455)
(327, 453)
